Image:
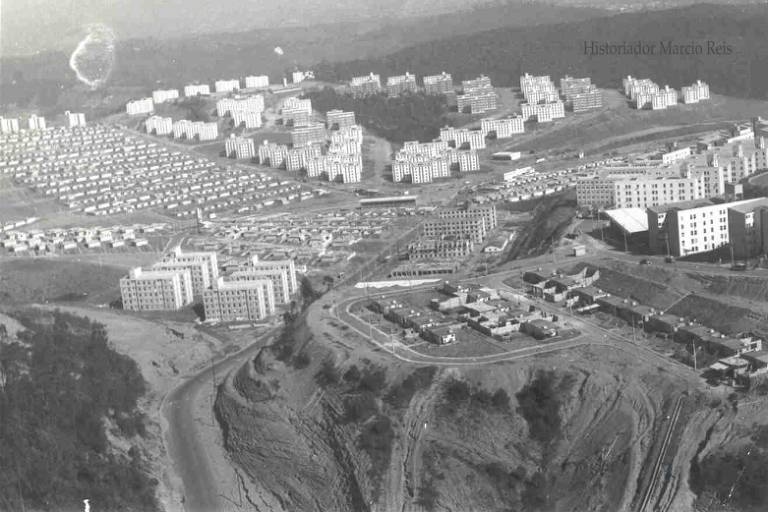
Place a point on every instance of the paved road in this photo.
(185, 441)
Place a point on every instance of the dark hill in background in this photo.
(557, 49)
(45, 79)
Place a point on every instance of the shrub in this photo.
(328, 375)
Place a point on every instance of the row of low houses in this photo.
(101, 170)
(481, 309)
(54, 240)
(740, 357)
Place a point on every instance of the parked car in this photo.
(645, 262)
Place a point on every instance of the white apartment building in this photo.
(298, 158)
(163, 95)
(675, 155)
(272, 154)
(239, 147)
(480, 83)
(537, 89)
(438, 84)
(365, 85)
(138, 107)
(472, 139)
(156, 290)
(159, 125)
(469, 161)
(543, 112)
(696, 92)
(198, 129)
(257, 82)
(478, 101)
(34, 122)
(307, 135)
(347, 168)
(74, 119)
(204, 266)
(226, 85)
(249, 119)
(9, 125)
(503, 128)
(682, 229)
(286, 266)
(238, 300)
(240, 104)
(399, 84)
(353, 134)
(338, 119)
(197, 90)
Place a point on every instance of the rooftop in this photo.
(630, 220)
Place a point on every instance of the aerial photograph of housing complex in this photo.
(297, 255)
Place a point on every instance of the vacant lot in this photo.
(727, 318)
(40, 280)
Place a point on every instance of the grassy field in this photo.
(40, 280)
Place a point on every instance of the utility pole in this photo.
(693, 346)
(213, 394)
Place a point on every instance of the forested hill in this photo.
(504, 54)
(61, 387)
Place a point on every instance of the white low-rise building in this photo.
(159, 125)
(163, 95)
(197, 90)
(139, 107)
(257, 82)
(226, 85)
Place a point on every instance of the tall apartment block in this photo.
(366, 85)
(480, 83)
(438, 84)
(156, 290)
(399, 84)
(203, 266)
(138, 107)
(238, 300)
(227, 85)
(337, 166)
(240, 104)
(298, 158)
(695, 93)
(477, 102)
(241, 148)
(538, 89)
(74, 119)
(257, 82)
(502, 128)
(460, 137)
(306, 135)
(543, 112)
(272, 154)
(468, 161)
(682, 229)
(196, 90)
(163, 95)
(286, 268)
(337, 119)
(159, 125)
(198, 129)
(580, 94)
(9, 125)
(34, 122)
(247, 119)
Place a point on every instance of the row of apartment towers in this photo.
(250, 291)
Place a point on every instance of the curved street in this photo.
(196, 460)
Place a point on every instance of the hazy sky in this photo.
(30, 25)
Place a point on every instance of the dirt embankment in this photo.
(329, 427)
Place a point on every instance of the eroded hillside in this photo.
(330, 425)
